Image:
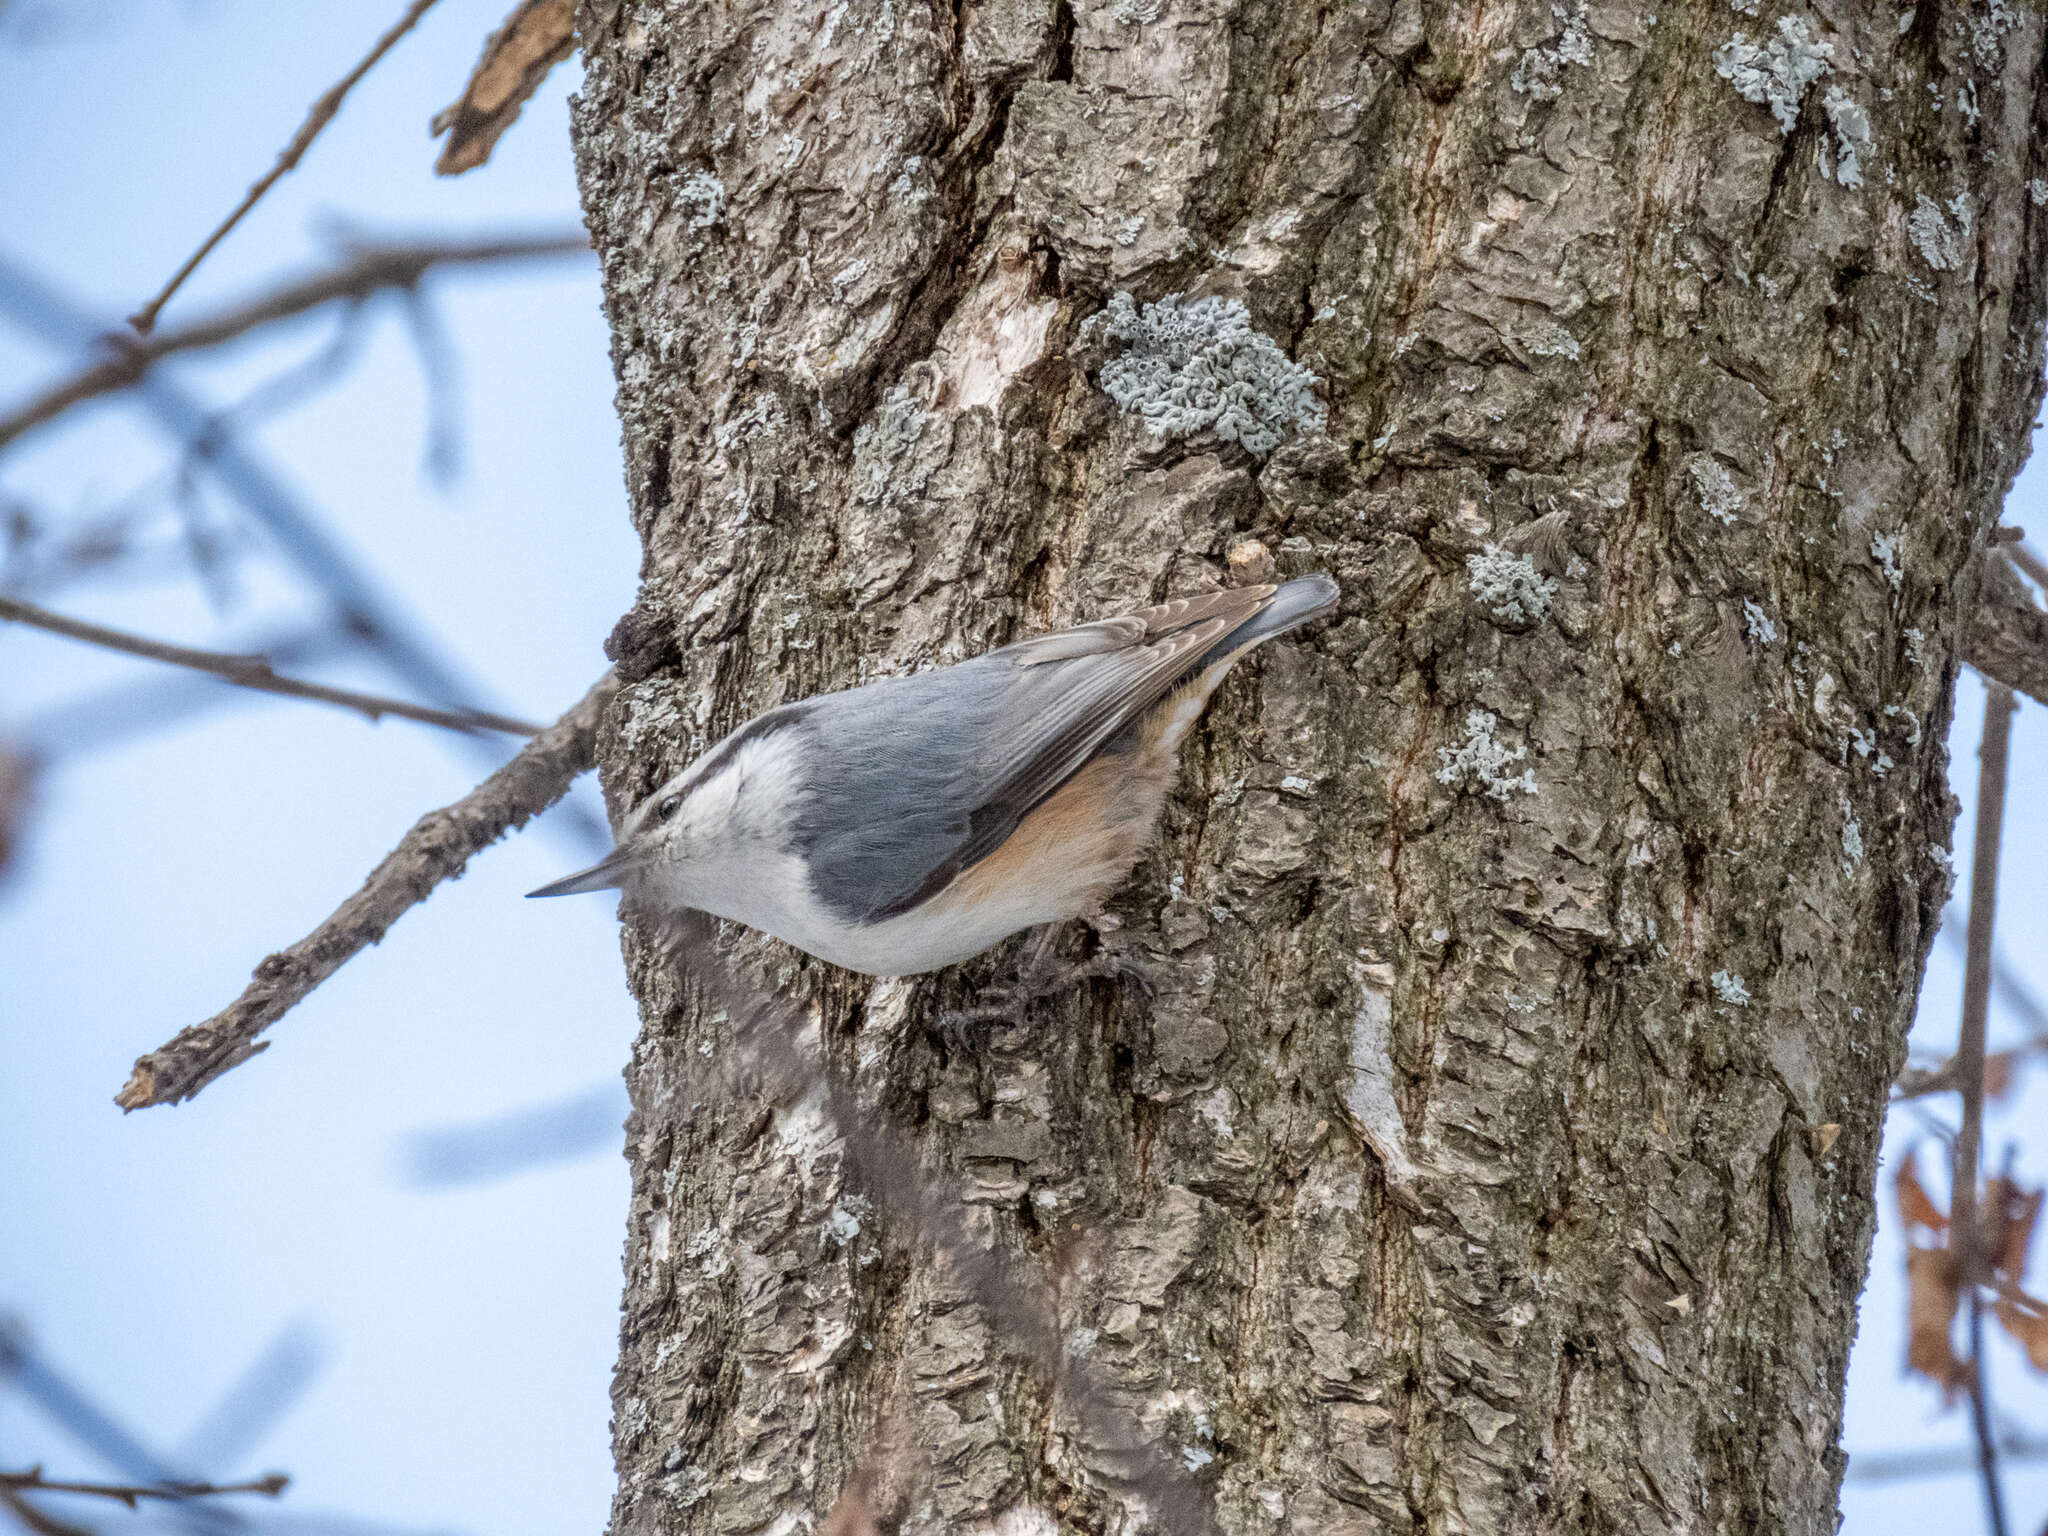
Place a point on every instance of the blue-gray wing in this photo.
(916, 779)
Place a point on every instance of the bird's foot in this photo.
(1043, 973)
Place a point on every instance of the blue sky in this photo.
(465, 1332)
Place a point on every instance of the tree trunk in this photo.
(1532, 945)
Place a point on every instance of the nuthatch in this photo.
(908, 824)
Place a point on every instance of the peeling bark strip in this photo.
(1512, 933)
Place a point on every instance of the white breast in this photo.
(777, 899)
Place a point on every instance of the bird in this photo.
(911, 823)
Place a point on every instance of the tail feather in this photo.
(1292, 605)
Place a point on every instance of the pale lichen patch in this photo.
(1730, 989)
(1480, 764)
(1720, 498)
(1019, 1520)
(1508, 585)
(1776, 73)
(702, 197)
(1538, 74)
(1194, 365)
(1851, 129)
(1939, 242)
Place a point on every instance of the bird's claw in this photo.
(1042, 974)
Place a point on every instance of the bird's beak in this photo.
(607, 874)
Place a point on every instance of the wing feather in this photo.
(922, 777)
(1115, 670)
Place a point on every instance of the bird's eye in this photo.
(669, 807)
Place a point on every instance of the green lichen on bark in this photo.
(1442, 1184)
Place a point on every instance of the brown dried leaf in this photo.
(2001, 1071)
(2029, 1328)
(1933, 1290)
(537, 36)
(1823, 1138)
(2009, 1214)
(1915, 1206)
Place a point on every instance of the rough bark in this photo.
(1474, 1164)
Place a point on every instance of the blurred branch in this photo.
(32, 1481)
(270, 1386)
(109, 716)
(515, 1142)
(254, 672)
(22, 1366)
(1902, 1466)
(2035, 567)
(29, 1518)
(1993, 756)
(1923, 1082)
(368, 270)
(2009, 988)
(294, 529)
(437, 366)
(318, 116)
(438, 848)
(2005, 635)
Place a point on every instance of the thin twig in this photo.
(767, 1037)
(318, 116)
(270, 1485)
(23, 1369)
(438, 848)
(1969, 1063)
(367, 270)
(254, 672)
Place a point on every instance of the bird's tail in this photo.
(1293, 604)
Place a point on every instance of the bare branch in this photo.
(530, 42)
(368, 270)
(318, 116)
(270, 1485)
(2005, 636)
(438, 848)
(1969, 1066)
(254, 672)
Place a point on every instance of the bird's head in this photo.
(696, 828)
